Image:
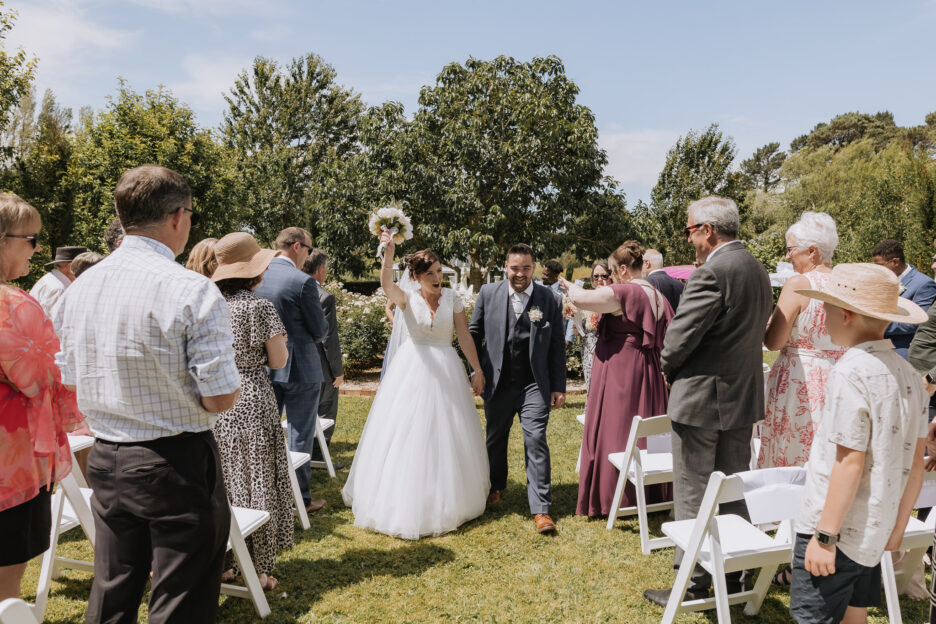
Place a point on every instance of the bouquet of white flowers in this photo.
(390, 218)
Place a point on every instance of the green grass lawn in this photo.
(494, 569)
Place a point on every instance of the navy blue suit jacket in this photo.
(296, 298)
(921, 290)
(488, 327)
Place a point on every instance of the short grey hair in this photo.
(720, 212)
(654, 257)
(816, 229)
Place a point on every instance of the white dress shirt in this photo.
(143, 339)
(717, 249)
(519, 299)
(49, 289)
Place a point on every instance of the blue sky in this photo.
(650, 71)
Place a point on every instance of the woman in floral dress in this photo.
(796, 384)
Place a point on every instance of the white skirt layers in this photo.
(421, 466)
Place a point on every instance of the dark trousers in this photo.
(527, 402)
(301, 403)
(328, 408)
(158, 505)
(697, 453)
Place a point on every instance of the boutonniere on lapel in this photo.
(903, 287)
(535, 314)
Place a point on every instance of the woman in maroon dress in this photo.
(626, 376)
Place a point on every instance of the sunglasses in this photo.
(195, 216)
(601, 277)
(32, 238)
(691, 228)
(306, 246)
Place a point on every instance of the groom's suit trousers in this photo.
(511, 399)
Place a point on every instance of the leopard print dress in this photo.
(250, 437)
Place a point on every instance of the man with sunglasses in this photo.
(50, 288)
(298, 385)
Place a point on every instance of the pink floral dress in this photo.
(36, 410)
(796, 386)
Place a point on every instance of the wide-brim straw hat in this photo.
(870, 290)
(240, 256)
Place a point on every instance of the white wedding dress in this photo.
(421, 466)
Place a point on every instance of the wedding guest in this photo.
(933, 265)
(627, 377)
(113, 235)
(653, 272)
(37, 409)
(202, 257)
(329, 350)
(712, 357)
(250, 436)
(298, 384)
(150, 392)
(797, 382)
(85, 261)
(50, 287)
(865, 469)
(601, 276)
(552, 271)
(918, 288)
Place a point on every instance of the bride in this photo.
(421, 466)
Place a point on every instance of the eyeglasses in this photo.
(689, 229)
(195, 215)
(32, 238)
(790, 248)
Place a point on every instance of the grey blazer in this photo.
(330, 349)
(712, 353)
(488, 327)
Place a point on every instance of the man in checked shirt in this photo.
(148, 346)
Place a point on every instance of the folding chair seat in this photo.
(321, 426)
(16, 611)
(918, 536)
(729, 543)
(643, 467)
(243, 523)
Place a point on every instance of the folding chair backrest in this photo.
(927, 497)
(658, 432)
(773, 494)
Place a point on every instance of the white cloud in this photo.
(208, 77)
(67, 41)
(635, 157)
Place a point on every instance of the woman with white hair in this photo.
(797, 381)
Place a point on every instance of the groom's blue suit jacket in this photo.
(488, 327)
(921, 290)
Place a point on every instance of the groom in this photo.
(517, 329)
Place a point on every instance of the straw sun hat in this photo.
(870, 290)
(239, 255)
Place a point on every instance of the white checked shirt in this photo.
(143, 339)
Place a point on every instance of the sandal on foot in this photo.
(783, 578)
(269, 584)
(227, 576)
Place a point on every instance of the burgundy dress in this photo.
(626, 380)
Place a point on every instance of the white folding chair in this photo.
(243, 523)
(16, 611)
(644, 467)
(297, 459)
(918, 536)
(729, 543)
(79, 443)
(578, 462)
(321, 426)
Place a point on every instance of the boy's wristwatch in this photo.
(826, 539)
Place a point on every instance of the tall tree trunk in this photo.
(475, 276)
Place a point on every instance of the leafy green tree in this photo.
(879, 128)
(699, 164)
(154, 127)
(16, 72)
(762, 169)
(499, 152)
(289, 130)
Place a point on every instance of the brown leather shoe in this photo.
(315, 505)
(544, 523)
(494, 497)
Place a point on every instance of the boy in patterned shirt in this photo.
(865, 468)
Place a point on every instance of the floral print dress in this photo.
(36, 410)
(796, 386)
